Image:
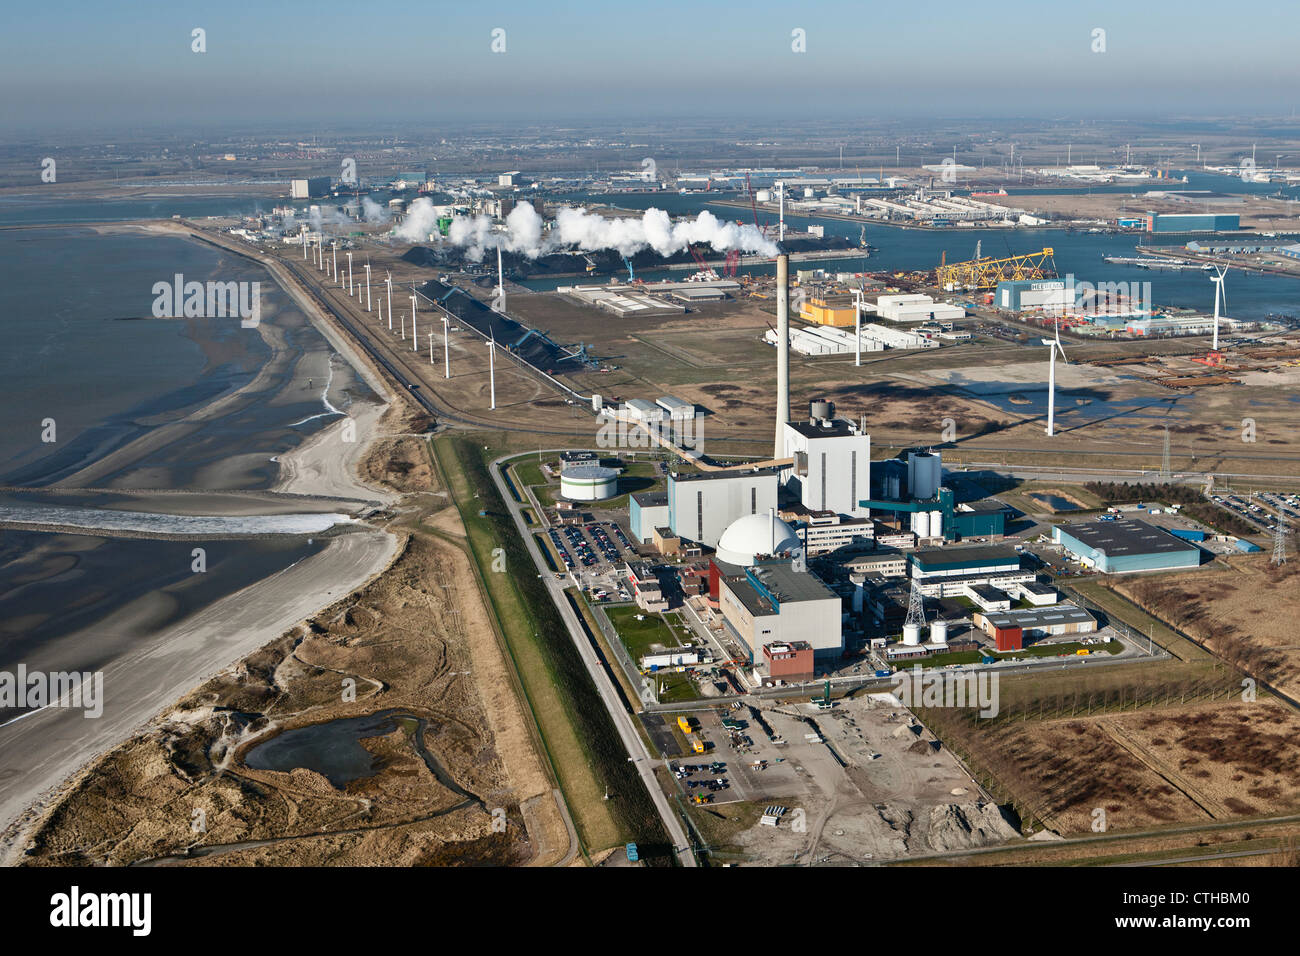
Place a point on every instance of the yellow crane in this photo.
(986, 273)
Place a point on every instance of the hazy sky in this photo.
(96, 62)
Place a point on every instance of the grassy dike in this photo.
(580, 738)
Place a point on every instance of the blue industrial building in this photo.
(1193, 222)
(1125, 545)
(646, 511)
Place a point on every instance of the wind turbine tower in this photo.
(446, 348)
(1054, 346)
(1219, 295)
(492, 368)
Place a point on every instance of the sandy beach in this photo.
(44, 750)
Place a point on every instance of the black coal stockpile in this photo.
(533, 347)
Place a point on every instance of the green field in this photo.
(640, 636)
(578, 734)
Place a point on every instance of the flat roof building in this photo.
(701, 505)
(1125, 545)
(1038, 621)
(773, 602)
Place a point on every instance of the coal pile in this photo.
(532, 346)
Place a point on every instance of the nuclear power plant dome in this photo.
(748, 537)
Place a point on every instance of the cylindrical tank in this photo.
(921, 523)
(924, 473)
(808, 192)
(936, 523)
(939, 632)
(763, 195)
(912, 634)
(596, 403)
(820, 408)
(892, 489)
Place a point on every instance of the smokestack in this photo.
(782, 347)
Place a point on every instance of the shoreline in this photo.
(146, 683)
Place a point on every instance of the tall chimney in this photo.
(782, 348)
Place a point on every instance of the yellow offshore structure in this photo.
(986, 273)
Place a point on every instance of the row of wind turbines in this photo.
(1055, 348)
(332, 269)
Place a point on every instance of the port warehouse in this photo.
(1193, 222)
(1124, 545)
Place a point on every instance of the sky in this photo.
(100, 63)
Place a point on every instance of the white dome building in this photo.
(752, 535)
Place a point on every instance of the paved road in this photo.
(623, 721)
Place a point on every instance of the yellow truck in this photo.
(697, 744)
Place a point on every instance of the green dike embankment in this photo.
(579, 736)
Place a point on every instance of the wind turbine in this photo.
(389, 281)
(415, 342)
(1054, 346)
(1219, 294)
(367, 284)
(492, 367)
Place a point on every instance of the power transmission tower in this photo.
(916, 605)
(1164, 461)
(1279, 541)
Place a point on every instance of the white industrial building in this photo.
(678, 409)
(704, 504)
(829, 340)
(832, 462)
(916, 308)
(774, 602)
(640, 410)
(588, 483)
(824, 532)
(620, 301)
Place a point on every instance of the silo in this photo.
(936, 524)
(939, 632)
(912, 634)
(921, 523)
(892, 489)
(596, 403)
(763, 195)
(924, 473)
(820, 409)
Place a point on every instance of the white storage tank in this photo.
(939, 632)
(936, 523)
(763, 195)
(924, 474)
(912, 634)
(588, 483)
(921, 523)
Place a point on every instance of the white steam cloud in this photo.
(588, 232)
